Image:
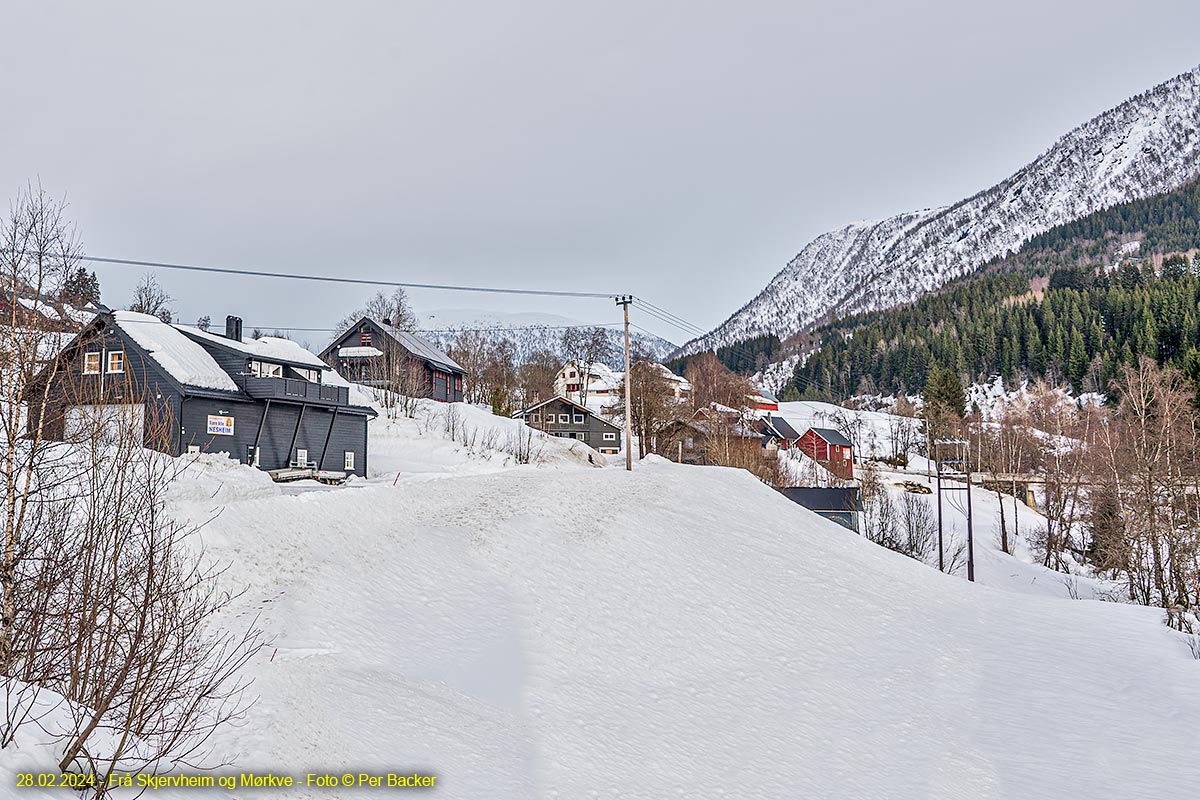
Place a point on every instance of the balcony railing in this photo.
(296, 390)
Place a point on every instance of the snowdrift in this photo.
(676, 632)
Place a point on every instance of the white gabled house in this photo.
(597, 386)
(603, 385)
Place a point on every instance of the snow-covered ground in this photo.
(553, 630)
(873, 432)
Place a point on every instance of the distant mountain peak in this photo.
(1147, 145)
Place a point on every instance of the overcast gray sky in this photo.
(680, 151)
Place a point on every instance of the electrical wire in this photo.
(332, 279)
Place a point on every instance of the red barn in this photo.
(830, 449)
(763, 401)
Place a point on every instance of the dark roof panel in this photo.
(832, 436)
(784, 427)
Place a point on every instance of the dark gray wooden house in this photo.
(376, 353)
(564, 418)
(266, 402)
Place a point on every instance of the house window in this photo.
(261, 369)
(564, 419)
(579, 419)
(571, 374)
(610, 437)
(310, 375)
(116, 360)
(349, 462)
(535, 417)
(301, 458)
(364, 339)
(91, 363)
(579, 436)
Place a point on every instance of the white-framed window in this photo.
(565, 419)
(193, 449)
(310, 375)
(610, 437)
(116, 360)
(580, 436)
(262, 369)
(301, 458)
(579, 419)
(535, 417)
(349, 461)
(91, 363)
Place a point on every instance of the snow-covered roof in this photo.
(267, 348)
(80, 316)
(600, 376)
(684, 383)
(45, 309)
(179, 356)
(359, 352)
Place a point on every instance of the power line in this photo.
(331, 279)
(491, 329)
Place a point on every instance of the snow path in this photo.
(678, 632)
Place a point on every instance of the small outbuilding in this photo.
(831, 449)
(836, 504)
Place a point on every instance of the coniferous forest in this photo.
(1073, 306)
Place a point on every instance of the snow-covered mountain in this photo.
(532, 331)
(1147, 145)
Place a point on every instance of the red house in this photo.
(763, 401)
(830, 449)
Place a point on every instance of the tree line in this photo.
(1081, 327)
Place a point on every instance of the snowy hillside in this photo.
(1147, 145)
(556, 630)
(570, 632)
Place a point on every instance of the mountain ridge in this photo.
(1146, 145)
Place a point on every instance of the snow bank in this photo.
(458, 438)
(678, 632)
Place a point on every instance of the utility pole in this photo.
(625, 300)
